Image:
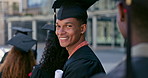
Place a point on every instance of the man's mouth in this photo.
(63, 38)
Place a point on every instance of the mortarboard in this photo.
(68, 10)
(21, 30)
(85, 3)
(71, 8)
(22, 42)
(74, 8)
(48, 27)
(137, 2)
(51, 30)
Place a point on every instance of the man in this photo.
(138, 10)
(70, 29)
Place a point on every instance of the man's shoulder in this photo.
(86, 48)
(84, 52)
(86, 67)
(83, 57)
(118, 72)
(87, 53)
(139, 65)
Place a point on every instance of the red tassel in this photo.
(30, 74)
(125, 10)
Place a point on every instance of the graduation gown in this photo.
(139, 64)
(40, 73)
(0, 74)
(82, 64)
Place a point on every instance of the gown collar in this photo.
(84, 43)
(140, 50)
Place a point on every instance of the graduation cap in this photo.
(71, 8)
(21, 30)
(85, 3)
(48, 27)
(50, 30)
(22, 42)
(68, 10)
(74, 8)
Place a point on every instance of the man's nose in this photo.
(61, 31)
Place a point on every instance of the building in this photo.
(102, 27)
(7, 7)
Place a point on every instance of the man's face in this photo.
(69, 32)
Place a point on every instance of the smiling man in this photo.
(70, 29)
(70, 33)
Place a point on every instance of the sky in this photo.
(33, 3)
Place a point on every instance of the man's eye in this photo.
(58, 26)
(69, 25)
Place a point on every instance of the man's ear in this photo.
(121, 12)
(121, 19)
(83, 28)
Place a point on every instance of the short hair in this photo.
(82, 20)
(139, 19)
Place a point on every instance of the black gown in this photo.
(40, 73)
(82, 64)
(0, 74)
(139, 65)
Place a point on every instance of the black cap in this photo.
(84, 3)
(71, 10)
(22, 42)
(48, 27)
(51, 30)
(74, 8)
(137, 2)
(21, 30)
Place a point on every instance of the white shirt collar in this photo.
(140, 50)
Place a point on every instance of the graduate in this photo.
(20, 60)
(133, 24)
(25, 31)
(71, 26)
(53, 58)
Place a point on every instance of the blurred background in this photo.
(102, 31)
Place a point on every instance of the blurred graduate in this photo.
(133, 24)
(22, 30)
(53, 58)
(20, 60)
